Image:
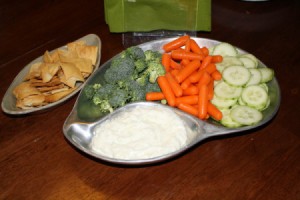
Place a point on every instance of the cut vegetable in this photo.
(225, 49)
(255, 96)
(255, 78)
(245, 115)
(226, 91)
(251, 56)
(223, 103)
(267, 74)
(227, 120)
(228, 61)
(236, 75)
(248, 62)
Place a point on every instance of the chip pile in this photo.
(56, 76)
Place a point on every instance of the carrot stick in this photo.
(166, 90)
(214, 112)
(210, 68)
(166, 61)
(185, 84)
(205, 51)
(187, 70)
(154, 96)
(191, 90)
(175, 44)
(195, 77)
(174, 65)
(174, 72)
(191, 100)
(177, 90)
(187, 49)
(181, 54)
(206, 61)
(205, 79)
(216, 75)
(184, 62)
(217, 59)
(210, 87)
(203, 101)
(195, 47)
(188, 108)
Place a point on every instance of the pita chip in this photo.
(57, 96)
(71, 74)
(24, 90)
(49, 70)
(88, 52)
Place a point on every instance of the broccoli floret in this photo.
(105, 91)
(90, 90)
(143, 79)
(135, 53)
(152, 87)
(136, 91)
(155, 70)
(152, 56)
(118, 98)
(120, 69)
(140, 65)
(103, 104)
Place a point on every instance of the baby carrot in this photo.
(210, 68)
(166, 90)
(177, 90)
(206, 61)
(188, 108)
(175, 44)
(217, 59)
(174, 72)
(154, 96)
(185, 84)
(214, 112)
(210, 87)
(187, 70)
(191, 90)
(174, 65)
(187, 48)
(216, 75)
(166, 61)
(191, 100)
(195, 47)
(184, 62)
(195, 77)
(203, 101)
(181, 54)
(205, 51)
(205, 79)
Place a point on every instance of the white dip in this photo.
(140, 133)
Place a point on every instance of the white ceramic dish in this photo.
(9, 101)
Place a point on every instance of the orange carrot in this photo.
(217, 59)
(166, 90)
(174, 65)
(181, 54)
(175, 44)
(191, 100)
(195, 47)
(174, 72)
(187, 49)
(184, 62)
(154, 96)
(191, 90)
(166, 61)
(177, 90)
(214, 112)
(204, 80)
(206, 61)
(195, 77)
(216, 75)
(203, 101)
(205, 51)
(187, 70)
(210, 87)
(185, 84)
(188, 108)
(210, 68)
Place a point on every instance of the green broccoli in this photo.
(140, 65)
(90, 90)
(155, 69)
(120, 69)
(118, 98)
(143, 79)
(136, 91)
(135, 53)
(152, 87)
(152, 56)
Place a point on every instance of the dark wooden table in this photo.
(36, 161)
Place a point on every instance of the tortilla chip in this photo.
(39, 83)
(49, 70)
(57, 96)
(64, 54)
(31, 101)
(50, 88)
(89, 52)
(72, 45)
(34, 72)
(71, 74)
(83, 64)
(24, 90)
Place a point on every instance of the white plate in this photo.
(9, 101)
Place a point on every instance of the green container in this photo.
(151, 15)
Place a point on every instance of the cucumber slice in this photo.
(226, 91)
(267, 74)
(227, 120)
(241, 102)
(228, 61)
(255, 78)
(225, 49)
(251, 56)
(255, 96)
(264, 86)
(247, 62)
(236, 75)
(245, 115)
(223, 103)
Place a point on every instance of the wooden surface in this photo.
(36, 161)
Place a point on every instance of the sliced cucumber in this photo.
(227, 120)
(255, 96)
(228, 61)
(251, 56)
(236, 75)
(264, 86)
(267, 74)
(248, 62)
(226, 91)
(223, 103)
(241, 102)
(225, 49)
(245, 115)
(255, 78)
